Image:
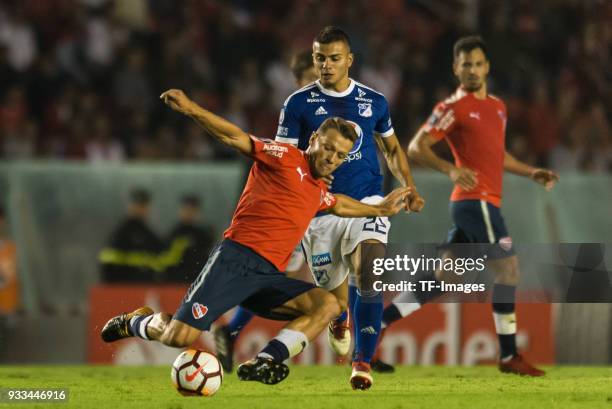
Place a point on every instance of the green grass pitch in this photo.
(322, 387)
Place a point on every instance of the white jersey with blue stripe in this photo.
(304, 111)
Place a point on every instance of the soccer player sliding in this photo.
(283, 193)
(473, 122)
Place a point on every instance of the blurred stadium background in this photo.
(81, 127)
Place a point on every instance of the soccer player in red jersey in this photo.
(283, 192)
(226, 335)
(473, 122)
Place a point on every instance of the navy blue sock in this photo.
(367, 316)
(391, 314)
(275, 350)
(138, 326)
(240, 319)
(505, 319)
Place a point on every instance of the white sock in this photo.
(295, 341)
(505, 324)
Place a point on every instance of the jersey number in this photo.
(375, 224)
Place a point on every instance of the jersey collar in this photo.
(334, 93)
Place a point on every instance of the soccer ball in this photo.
(196, 373)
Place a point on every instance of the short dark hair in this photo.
(467, 44)
(301, 62)
(341, 125)
(140, 196)
(190, 200)
(331, 34)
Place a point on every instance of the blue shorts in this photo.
(479, 222)
(236, 275)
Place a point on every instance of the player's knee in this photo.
(509, 277)
(507, 271)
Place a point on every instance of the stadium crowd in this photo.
(79, 79)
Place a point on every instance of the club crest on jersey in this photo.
(319, 260)
(198, 310)
(321, 277)
(365, 110)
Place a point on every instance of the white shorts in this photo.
(330, 240)
(296, 260)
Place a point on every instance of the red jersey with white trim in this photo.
(278, 202)
(475, 130)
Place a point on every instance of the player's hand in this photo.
(464, 177)
(394, 201)
(414, 201)
(545, 177)
(329, 179)
(177, 100)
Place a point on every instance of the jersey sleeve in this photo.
(441, 122)
(384, 126)
(328, 200)
(289, 129)
(272, 153)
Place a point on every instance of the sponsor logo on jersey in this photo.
(313, 94)
(365, 110)
(198, 310)
(320, 111)
(319, 260)
(361, 92)
(274, 149)
(282, 131)
(475, 115)
(355, 153)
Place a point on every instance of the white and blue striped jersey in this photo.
(304, 111)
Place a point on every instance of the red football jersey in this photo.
(475, 130)
(278, 202)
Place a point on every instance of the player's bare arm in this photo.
(398, 165)
(420, 151)
(390, 205)
(221, 129)
(544, 177)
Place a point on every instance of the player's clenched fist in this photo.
(177, 100)
(414, 201)
(395, 201)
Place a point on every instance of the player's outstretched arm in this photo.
(398, 165)
(544, 177)
(390, 205)
(221, 129)
(420, 151)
